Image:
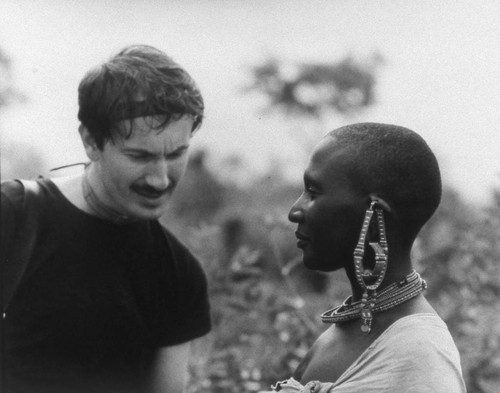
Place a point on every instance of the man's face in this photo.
(329, 212)
(137, 175)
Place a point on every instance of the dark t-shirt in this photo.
(99, 301)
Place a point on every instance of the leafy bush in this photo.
(261, 330)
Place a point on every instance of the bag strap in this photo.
(20, 252)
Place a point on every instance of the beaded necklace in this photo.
(389, 297)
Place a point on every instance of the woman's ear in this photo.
(382, 203)
(374, 230)
(91, 149)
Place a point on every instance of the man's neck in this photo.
(74, 190)
(94, 198)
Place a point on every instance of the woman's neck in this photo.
(398, 267)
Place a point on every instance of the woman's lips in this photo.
(302, 240)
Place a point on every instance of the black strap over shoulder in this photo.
(20, 251)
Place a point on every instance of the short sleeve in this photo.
(192, 309)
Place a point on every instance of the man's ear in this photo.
(91, 149)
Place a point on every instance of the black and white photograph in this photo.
(221, 196)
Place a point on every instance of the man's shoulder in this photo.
(20, 195)
(12, 192)
(15, 189)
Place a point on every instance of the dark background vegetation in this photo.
(265, 305)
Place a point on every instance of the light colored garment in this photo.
(415, 354)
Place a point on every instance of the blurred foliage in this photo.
(8, 93)
(460, 263)
(345, 87)
(266, 306)
(260, 330)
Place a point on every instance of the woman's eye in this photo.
(311, 191)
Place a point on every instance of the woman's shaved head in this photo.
(396, 164)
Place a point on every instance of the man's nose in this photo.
(158, 175)
(296, 214)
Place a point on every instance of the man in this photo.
(368, 189)
(110, 300)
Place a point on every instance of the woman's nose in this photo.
(296, 214)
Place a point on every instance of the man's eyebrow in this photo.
(140, 150)
(137, 150)
(181, 147)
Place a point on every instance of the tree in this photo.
(314, 92)
(307, 89)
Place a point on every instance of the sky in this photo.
(440, 77)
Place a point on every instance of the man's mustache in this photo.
(150, 190)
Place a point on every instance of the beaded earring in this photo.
(370, 280)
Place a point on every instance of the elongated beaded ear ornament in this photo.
(372, 301)
(370, 279)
